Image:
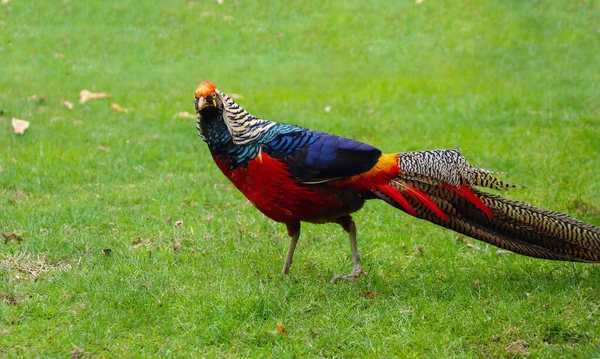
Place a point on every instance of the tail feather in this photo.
(512, 225)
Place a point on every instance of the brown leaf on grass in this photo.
(281, 329)
(67, 104)
(519, 347)
(471, 245)
(11, 237)
(36, 97)
(19, 126)
(185, 115)
(179, 223)
(138, 242)
(116, 107)
(77, 353)
(106, 251)
(150, 137)
(177, 246)
(368, 294)
(420, 250)
(102, 148)
(86, 95)
(19, 196)
(8, 299)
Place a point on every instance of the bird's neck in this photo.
(232, 134)
(215, 134)
(243, 127)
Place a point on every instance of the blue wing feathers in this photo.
(318, 156)
(310, 156)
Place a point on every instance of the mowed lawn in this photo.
(124, 240)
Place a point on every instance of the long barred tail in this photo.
(439, 186)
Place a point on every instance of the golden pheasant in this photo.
(293, 175)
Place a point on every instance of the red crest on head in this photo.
(205, 89)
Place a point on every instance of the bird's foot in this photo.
(356, 273)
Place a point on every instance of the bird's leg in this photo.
(348, 224)
(293, 230)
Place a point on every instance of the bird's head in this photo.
(207, 100)
(216, 108)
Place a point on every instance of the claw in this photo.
(356, 273)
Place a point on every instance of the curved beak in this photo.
(201, 103)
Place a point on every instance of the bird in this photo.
(292, 175)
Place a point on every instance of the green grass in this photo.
(515, 84)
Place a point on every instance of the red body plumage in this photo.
(267, 183)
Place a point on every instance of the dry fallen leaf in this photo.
(11, 237)
(19, 126)
(37, 98)
(177, 246)
(102, 148)
(67, 104)
(9, 299)
(185, 115)
(368, 294)
(77, 353)
(518, 347)
(86, 95)
(116, 107)
(106, 251)
(178, 223)
(281, 329)
(470, 245)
